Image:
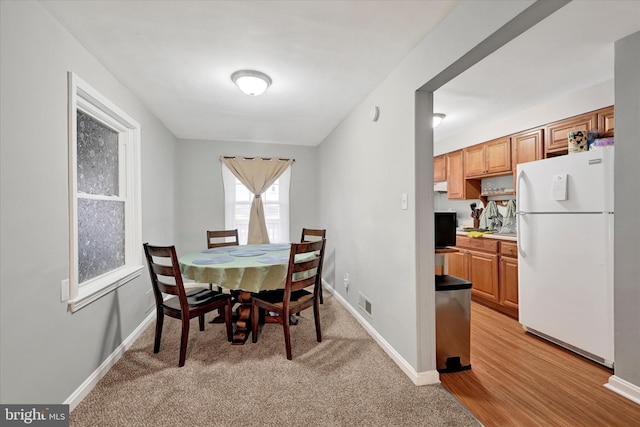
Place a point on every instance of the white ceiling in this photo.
(570, 50)
(324, 58)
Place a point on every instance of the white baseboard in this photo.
(88, 385)
(418, 378)
(624, 388)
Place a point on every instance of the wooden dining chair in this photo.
(219, 238)
(303, 271)
(164, 271)
(310, 235)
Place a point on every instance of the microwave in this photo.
(445, 229)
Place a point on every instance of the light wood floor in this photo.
(517, 379)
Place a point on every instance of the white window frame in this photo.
(85, 98)
(229, 183)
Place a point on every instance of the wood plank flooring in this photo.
(517, 379)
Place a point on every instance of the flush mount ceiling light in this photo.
(437, 119)
(251, 82)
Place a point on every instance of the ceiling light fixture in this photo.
(251, 82)
(437, 119)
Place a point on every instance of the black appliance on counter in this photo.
(445, 229)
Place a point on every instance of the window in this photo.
(104, 183)
(275, 201)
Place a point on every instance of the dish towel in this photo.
(509, 220)
(491, 219)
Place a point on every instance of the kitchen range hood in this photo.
(440, 187)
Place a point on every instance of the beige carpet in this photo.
(346, 380)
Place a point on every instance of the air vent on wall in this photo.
(364, 304)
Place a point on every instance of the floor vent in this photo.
(364, 304)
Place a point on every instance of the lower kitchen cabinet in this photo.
(483, 272)
(509, 284)
(491, 266)
(458, 264)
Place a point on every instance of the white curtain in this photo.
(257, 175)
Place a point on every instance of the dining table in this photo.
(244, 270)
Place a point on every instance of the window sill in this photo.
(99, 288)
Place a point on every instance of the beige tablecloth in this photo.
(264, 271)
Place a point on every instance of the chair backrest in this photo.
(305, 267)
(216, 239)
(164, 271)
(311, 234)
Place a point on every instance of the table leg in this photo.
(243, 319)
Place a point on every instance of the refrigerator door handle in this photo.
(518, 215)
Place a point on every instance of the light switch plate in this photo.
(405, 201)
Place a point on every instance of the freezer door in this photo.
(565, 279)
(589, 183)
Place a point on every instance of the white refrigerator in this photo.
(565, 251)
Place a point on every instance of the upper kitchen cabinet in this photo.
(556, 136)
(527, 146)
(605, 122)
(440, 168)
(457, 186)
(488, 159)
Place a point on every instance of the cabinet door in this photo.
(556, 136)
(483, 271)
(509, 282)
(527, 147)
(498, 156)
(474, 161)
(439, 169)
(458, 264)
(455, 175)
(605, 122)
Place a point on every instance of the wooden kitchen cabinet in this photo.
(605, 122)
(440, 168)
(483, 272)
(508, 277)
(488, 159)
(491, 265)
(458, 264)
(457, 186)
(527, 147)
(556, 134)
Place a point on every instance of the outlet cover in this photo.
(64, 290)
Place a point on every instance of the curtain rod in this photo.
(263, 158)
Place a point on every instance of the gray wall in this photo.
(200, 193)
(627, 208)
(46, 351)
(365, 166)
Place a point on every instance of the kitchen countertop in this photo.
(510, 237)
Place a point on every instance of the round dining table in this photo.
(244, 269)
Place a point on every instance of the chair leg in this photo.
(227, 320)
(320, 292)
(159, 322)
(287, 334)
(316, 317)
(254, 321)
(201, 322)
(183, 341)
